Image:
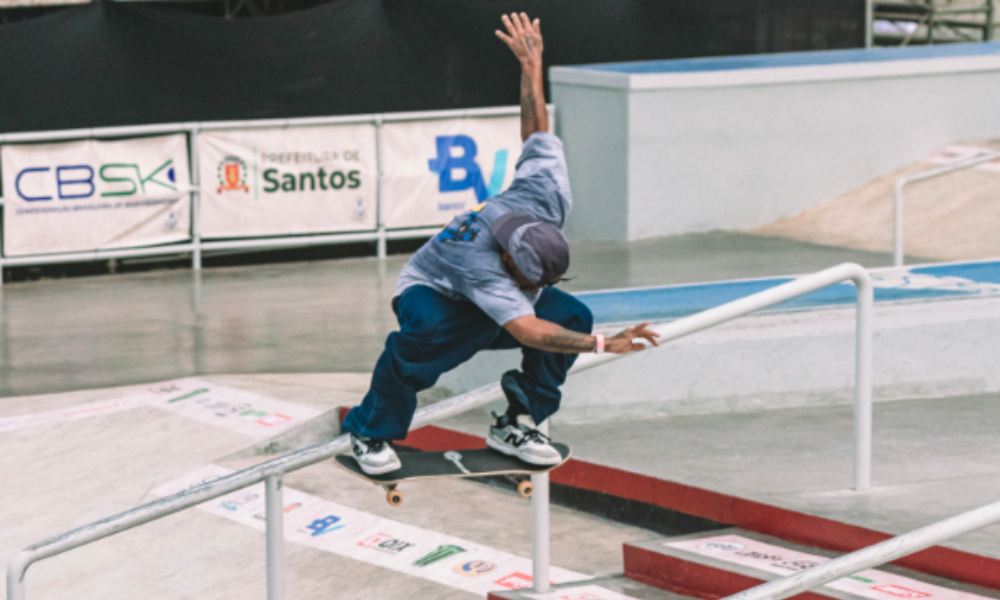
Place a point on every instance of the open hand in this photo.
(524, 38)
(622, 343)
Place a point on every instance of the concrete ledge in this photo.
(721, 563)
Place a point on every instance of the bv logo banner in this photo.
(288, 181)
(435, 169)
(94, 195)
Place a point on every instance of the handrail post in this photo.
(863, 384)
(15, 577)
(194, 199)
(897, 236)
(540, 557)
(275, 538)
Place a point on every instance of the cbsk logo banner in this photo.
(92, 195)
(288, 181)
(436, 169)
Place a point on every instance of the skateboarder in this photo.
(484, 283)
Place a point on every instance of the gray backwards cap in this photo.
(539, 249)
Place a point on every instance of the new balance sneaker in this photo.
(374, 456)
(520, 438)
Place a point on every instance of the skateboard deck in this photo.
(454, 463)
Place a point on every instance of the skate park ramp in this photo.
(71, 458)
(952, 217)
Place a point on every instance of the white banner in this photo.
(330, 527)
(435, 169)
(93, 195)
(287, 181)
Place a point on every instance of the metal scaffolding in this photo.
(920, 22)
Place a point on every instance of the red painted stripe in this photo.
(689, 578)
(789, 525)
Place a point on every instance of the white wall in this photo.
(735, 149)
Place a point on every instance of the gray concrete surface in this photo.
(329, 316)
(932, 459)
(619, 584)
(70, 474)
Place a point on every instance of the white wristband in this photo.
(599, 343)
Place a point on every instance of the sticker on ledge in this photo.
(871, 583)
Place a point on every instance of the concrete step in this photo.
(717, 564)
(604, 588)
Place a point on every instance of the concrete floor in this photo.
(66, 475)
(931, 459)
(330, 316)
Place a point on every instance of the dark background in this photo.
(108, 63)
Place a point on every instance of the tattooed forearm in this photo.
(568, 341)
(534, 117)
(529, 118)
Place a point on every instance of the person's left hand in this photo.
(622, 342)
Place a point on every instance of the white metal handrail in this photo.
(897, 197)
(873, 556)
(271, 472)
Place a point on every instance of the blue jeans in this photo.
(436, 334)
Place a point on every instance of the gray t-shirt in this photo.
(463, 261)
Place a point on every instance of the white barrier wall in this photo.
(670, 147)
(252, 184)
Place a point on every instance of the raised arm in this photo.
(524, 38)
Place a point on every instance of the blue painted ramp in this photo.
(920, 283)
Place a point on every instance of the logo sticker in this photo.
(475, 568)
(441, 553)
(385, 543)
(446, 164)
(232, 175)
(234, 504)
(515, 581)
(900, 591)
(324, 525)
(722, 546)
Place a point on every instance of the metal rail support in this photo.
(897, 253)
(381, 243)
(195, 177)
(540, 537)
(273, 470)
(275, 537)
(873, 556)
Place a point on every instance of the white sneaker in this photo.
(523, 440)
(374, 456)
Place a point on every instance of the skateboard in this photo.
(465, 463)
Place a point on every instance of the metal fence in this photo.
(897, 197)
(197, 245)
(272, 472)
